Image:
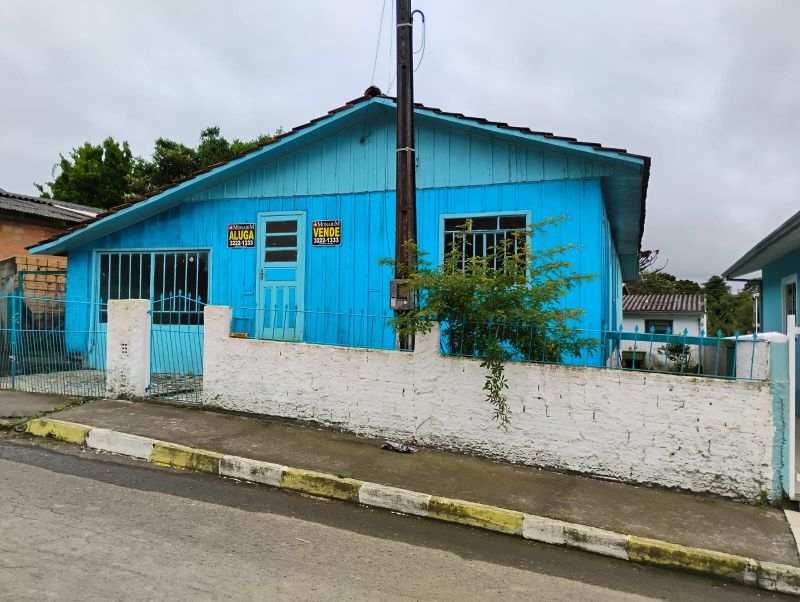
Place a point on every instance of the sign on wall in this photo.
(241, 236)
(326, 233)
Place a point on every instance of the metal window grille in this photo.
(480, 236)
(156, 275)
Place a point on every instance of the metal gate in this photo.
(45, 345)
(176, 349)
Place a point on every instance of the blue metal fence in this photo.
(41, 352)
(176, 348)
(344, 329)
(675, 353)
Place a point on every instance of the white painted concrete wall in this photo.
(128, 348)
(693, 322)
(699, 434)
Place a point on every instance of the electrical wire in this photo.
(391, 47)
(378, 44)
(422, 46)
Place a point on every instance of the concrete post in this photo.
(128, 348)
(217, 328)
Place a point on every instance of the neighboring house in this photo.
(661, 314)
(291, 234)
(25, 220)
(778, 258)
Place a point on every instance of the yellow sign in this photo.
(326, 233)
(241, 236)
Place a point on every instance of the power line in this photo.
(378, 44)
(422, 47)
(392, 75)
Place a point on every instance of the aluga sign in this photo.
(241, 236)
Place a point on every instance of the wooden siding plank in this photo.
(501, 162)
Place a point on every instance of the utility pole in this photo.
(406, 185)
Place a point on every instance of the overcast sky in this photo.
(710, 90)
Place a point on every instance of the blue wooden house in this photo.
(777, 256)
(291, 234)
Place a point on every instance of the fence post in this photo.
(13, 346)
(128, 348)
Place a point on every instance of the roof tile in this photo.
(664, 303)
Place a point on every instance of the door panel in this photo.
(281, 271)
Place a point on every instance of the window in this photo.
(788, 299)
(169, 278)
(487, 232)
(280, 241)
(659, 326)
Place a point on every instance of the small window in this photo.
(485, 234)
(788, 299)
(658, 326)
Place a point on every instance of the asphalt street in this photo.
(79, 525)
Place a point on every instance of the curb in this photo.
(764, 575)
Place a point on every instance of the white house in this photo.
(660, 314)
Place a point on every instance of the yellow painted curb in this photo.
(180, 456)
(662, 553)
(319, 483)
(476, 515)
(58, 429)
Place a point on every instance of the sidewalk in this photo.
(16, 404)
(686, 519)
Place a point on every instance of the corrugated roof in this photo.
(369, 94)
(50, 209)
(664, 303)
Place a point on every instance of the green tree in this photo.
(657, 281)
(107, 174)
(213, 148)
(95, 175)
(728, 312)
(504, 305)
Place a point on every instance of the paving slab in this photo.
(15, 404)
(694, 520)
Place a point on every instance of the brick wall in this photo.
(16, 235)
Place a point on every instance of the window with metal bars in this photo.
(175, 281)
(480, 236)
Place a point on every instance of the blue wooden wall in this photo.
(362, 159)
(348, 278)
(772, 274)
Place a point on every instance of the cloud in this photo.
(708, 90)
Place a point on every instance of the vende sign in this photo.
(326, 233)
